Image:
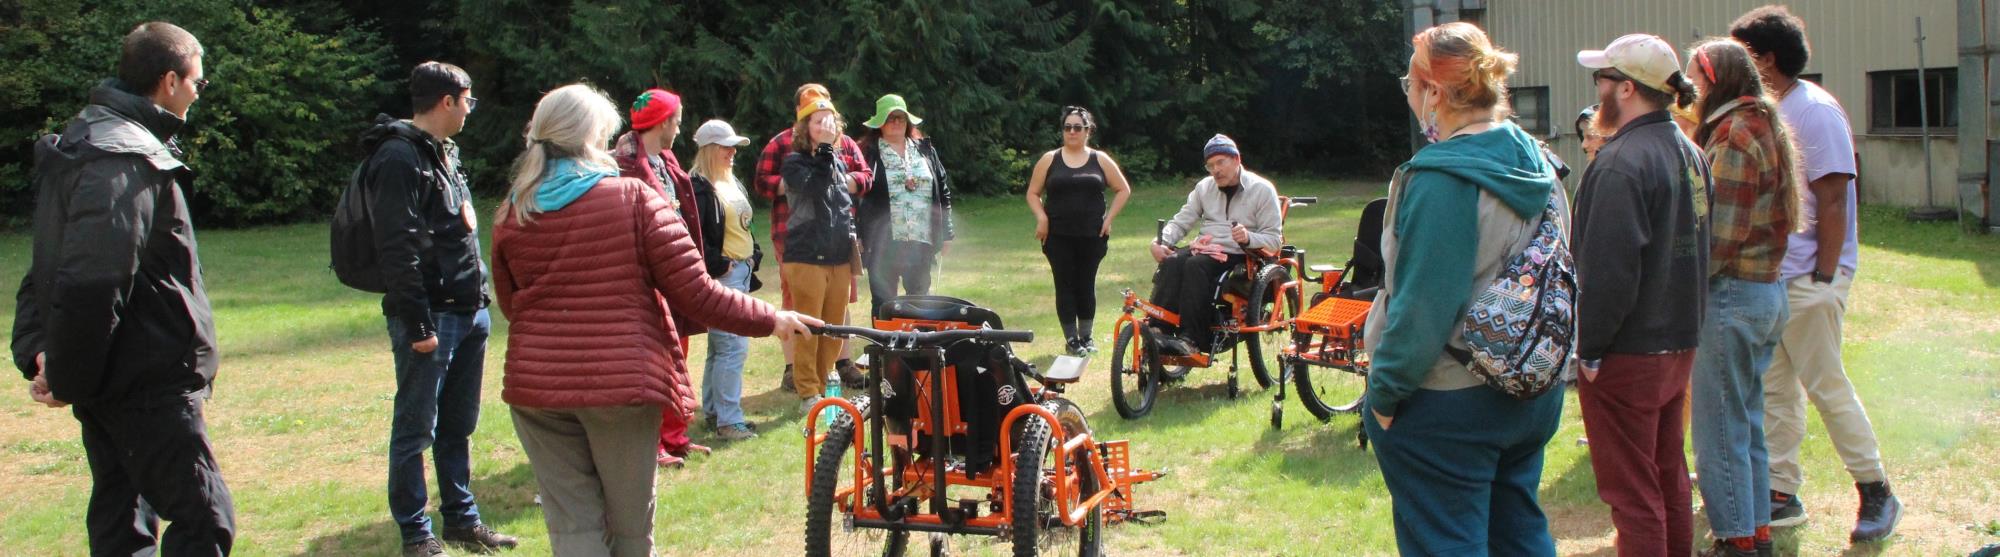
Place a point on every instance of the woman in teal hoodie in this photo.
(1461, 461)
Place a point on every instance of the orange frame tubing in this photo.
(813, 439)
(1071, 515)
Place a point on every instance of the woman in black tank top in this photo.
(1073, 224)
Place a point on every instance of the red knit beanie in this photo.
(653, 108)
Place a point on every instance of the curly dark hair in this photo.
(1774, 30)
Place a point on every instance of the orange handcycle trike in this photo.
(1328, 335)
(1253, 303)
(949, 438)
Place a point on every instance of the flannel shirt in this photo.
(769, 183)
(1749, 218)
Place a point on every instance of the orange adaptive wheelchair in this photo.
(958, 442)
(1329, 334)
(1254, 302)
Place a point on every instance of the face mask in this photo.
(1431, 131)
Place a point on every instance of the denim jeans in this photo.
(1739, 332)
(722, 378)
(437, 408)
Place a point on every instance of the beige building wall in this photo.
(1849, 39)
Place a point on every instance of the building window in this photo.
(1893, 101)
(1531, 109)
(1813, 77)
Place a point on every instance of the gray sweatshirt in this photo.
(1209, 210)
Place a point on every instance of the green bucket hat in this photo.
(887, 104)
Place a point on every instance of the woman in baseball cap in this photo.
(732, 255)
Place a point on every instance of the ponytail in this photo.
(1683, 90)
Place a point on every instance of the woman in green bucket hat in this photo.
(905, 218)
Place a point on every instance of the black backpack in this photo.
(355, 259)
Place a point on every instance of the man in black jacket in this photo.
(427, 236)
(1641, 244)
(112, 316)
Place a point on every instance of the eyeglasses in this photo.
(470, 102)
(200, 85)
(1609, 75)
(1405, 80)
(1075, 128)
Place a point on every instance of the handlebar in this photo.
(915, 339)
(1302, 201)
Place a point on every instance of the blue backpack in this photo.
(1522, 327)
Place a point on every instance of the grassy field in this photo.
(300, 417)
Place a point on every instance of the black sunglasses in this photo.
(1079, 128)
(200, 85)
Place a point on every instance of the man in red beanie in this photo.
(771, 186)
(647, 153)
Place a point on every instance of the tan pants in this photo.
(1807, 366)
(594, 467)
(820, 291)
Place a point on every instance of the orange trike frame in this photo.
(1108, 461)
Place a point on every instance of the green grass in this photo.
(300, 417)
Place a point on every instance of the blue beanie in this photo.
(1220, 145)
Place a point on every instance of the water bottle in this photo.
(828, 415)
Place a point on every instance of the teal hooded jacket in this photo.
(1436, 224)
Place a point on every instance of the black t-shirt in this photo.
(1075, 202)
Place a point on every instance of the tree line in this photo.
(1303, 85)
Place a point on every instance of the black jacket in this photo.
(874, 210)
(424, 225)
(709, 208)
(114, 293)
(820, 229)
(1641, 242)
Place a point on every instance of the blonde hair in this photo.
(1463, 64)
(574, 121)
(720, 173)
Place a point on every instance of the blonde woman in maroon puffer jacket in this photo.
(586, 266)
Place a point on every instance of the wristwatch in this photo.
(1822, 278)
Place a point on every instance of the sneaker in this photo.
(1786, 510)
(1880, 510)
(736, 433)
(479, 539)
(1074, 347)
(668, 460)
(1728, 548)
(430, 547)
(691, 448)
(1086, 345)
(806, 404)
(850, 375)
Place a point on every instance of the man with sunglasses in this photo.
(427, 243)
(113, 317)
(1641, 244)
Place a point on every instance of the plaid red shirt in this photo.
(1749, 217)
(770, 183)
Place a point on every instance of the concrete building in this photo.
(1863, 51)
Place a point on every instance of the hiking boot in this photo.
(850, 375)
(1786, 510)
(1880, 510)
(785, 384)
(1729, 548)
(430, 547)
(479, 539)
(736, 432)
(691, 448)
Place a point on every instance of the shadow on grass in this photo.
(503, 498)
(1331, 456)
(1884, 227)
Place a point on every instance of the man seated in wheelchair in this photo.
(1229, 212)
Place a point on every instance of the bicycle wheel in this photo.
(1268, 346)
(1134, 382)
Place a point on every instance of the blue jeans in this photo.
(1464, 468)
(1739, 332)
(437, 408)
(722, 378)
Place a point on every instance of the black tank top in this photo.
(1075, 202)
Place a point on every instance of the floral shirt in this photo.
(910, 183)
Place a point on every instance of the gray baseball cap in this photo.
(717, 132)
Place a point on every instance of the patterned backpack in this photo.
(1522, 327)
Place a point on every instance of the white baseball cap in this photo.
(717, 132)
(1647, 59)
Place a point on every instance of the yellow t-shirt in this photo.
(736, 213)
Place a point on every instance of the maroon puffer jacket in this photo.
(587, 288)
